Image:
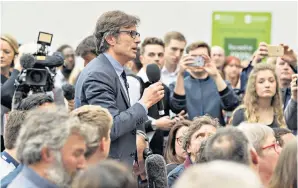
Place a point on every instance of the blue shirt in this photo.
(11, 176)
(7, 163)
(119, 70)
(27, 178)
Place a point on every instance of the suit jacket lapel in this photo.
(108, 64)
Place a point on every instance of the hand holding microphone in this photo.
(155, 92)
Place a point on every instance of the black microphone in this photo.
(27, 61)
(56, 60)
(68, 91)
(155, 166)
(153, 74)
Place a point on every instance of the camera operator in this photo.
(204, 91)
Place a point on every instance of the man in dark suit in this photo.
(103, 82)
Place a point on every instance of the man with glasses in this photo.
(267, 148)
(103, 82)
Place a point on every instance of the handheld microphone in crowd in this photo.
(153, 74)
(68, 91)
(155, 166)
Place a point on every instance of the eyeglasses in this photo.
(179, 140)
(133, 34)
(275, 145)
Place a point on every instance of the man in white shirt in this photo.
(152, 51)
(175, 43)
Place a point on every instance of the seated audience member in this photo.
(8, 157)
(263, 140)
(219, 174)
(200, 129)
(204, 91)
(106, 174)
(261, 103)
(283, 136)
(291, 108)
(232, 145)
(51, 147)
(285, 173)
(174, 153)
(100, 121)
(31, 102)
(175, 43)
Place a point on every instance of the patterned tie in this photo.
(123, 75)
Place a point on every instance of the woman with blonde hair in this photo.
(285, 174)
(262, 102)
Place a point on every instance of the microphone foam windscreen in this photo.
(27, 61)
(155, 166)
(68, 91)
(153, 73)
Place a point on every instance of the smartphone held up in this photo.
(198, 62)
(275, 51)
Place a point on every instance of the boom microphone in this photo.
(155, 166)
(27, 61)
(153, 74)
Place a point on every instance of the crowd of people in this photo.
(219, 119)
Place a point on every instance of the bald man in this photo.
(218, 55)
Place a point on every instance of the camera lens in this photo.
(36, 76)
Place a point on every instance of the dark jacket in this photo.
(99, 84)
(291, 116)
(175, 174)
(8, 88)
(202, 97)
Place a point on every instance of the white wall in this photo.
(72, 21)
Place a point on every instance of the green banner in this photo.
(240, 33)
